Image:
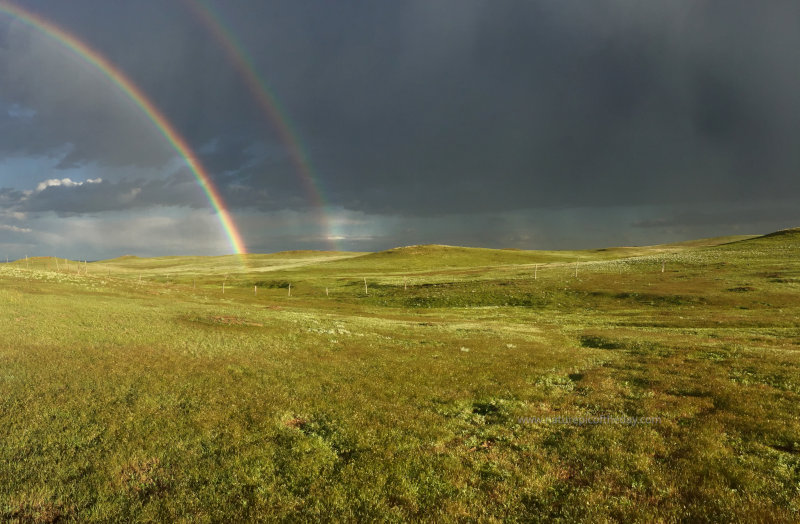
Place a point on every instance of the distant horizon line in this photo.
(321, 251)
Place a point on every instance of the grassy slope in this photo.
(161, 400)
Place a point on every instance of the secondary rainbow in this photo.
(263, 95)
(140, 99)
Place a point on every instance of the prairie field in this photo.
(433, 383)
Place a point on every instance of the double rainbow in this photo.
(140, 99)
(268, 102)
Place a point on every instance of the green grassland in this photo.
(136, 389)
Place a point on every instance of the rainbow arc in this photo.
(137, 96)
(269, 105)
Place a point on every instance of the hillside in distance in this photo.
(407, 258)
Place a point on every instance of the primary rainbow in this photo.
(269, 105)
(140, 99)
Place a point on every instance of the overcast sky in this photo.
(520, 124)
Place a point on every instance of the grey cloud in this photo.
(9, 196)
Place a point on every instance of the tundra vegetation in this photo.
(134, 389)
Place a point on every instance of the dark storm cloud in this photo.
(765, 213)
(420, 108)
(155, 44)
(539, 107)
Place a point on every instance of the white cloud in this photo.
(21, 112)
(15, 229)
(16, 215)
(64, 182)
(130, 196)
